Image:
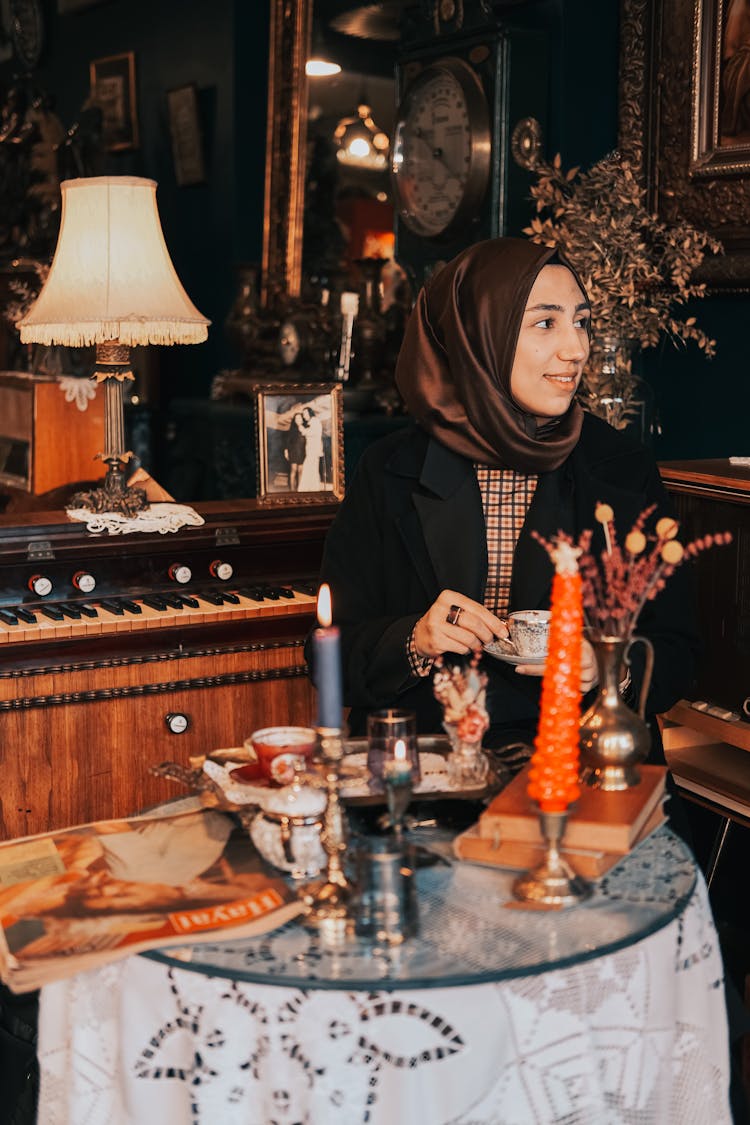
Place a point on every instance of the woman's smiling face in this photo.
(553, 344)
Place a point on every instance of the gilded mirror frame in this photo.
(663, 52)
(286, 140)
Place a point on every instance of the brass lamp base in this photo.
(552, 882)
(113, 495)
(112, 369)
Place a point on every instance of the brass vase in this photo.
(614, 738)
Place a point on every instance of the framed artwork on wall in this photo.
(692, 153)
(299, 443)
(113, 90)
(187, 136)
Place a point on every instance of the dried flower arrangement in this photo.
(461, 692)
(636, 270)
(617, 586)
(634, 267)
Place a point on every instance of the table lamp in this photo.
(112, 283)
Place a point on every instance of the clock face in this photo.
(440, 161)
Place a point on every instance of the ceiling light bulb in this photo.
(321, 68)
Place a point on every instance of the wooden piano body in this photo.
(88, 703)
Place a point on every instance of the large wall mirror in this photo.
(331, 107)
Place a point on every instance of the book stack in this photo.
(602, 827)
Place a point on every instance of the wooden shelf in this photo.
(718, 730)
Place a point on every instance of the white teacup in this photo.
(529, 631)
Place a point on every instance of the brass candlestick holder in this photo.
(329, 900)
(553, 882)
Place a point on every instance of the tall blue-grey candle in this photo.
(327, 665)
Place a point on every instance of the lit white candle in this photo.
(398, 769)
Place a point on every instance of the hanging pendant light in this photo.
(360, 143)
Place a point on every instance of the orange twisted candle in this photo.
(553, 778)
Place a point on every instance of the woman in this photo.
(294, 451)
(432, 546)
(312, 427)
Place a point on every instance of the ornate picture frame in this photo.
(113, 91)
(299, 442)
(693, 171)
(186, 135)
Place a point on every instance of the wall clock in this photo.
(462, 88)
(440, 158)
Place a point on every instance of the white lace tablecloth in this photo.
(634, 1038)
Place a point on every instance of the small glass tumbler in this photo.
(384, 729)
(386, 898)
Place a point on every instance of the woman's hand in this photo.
(589, 675)
(455, 623)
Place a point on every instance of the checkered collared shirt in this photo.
(506, 497)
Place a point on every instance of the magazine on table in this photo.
(75, 898)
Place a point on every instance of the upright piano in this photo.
(118, 652)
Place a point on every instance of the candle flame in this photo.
(325, 615)
(399, 750)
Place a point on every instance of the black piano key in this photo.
(69, 611)
(210, 597)
(113, 607)
(228, 596)
(253, 592)
(130, 606)
(174, 601)
(285, 591)
(24, 614)
(271, 592)
(52, 612)
(186, 599)
(308, 588)
(8, 617)
(88, 610)
(155, 602)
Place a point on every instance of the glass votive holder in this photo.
(385, 901)
(384, 729)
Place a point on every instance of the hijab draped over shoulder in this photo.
(455, 362)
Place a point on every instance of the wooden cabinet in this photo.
(45, 440)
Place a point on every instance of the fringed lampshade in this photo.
(112, 283)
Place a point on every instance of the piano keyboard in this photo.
(40, 621)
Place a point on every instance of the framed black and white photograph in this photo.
(299, 443)
(113, 91)
(187, 137)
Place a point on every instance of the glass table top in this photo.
(471, 930)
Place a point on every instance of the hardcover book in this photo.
(599, 821)
(522, 856)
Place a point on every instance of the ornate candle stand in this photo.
(552, 882)
(329, 900)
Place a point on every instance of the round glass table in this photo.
(470, 929)
(494, 1014)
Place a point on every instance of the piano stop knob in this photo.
(84, 581)
(180, 573)
(222, 570)
(40, 585)
(176, 722)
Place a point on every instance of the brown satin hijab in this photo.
(455, 362)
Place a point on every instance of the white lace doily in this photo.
(78, 390)
(157, 517)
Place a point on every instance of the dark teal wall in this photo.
(222, 46)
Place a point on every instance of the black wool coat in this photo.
(412, 524)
